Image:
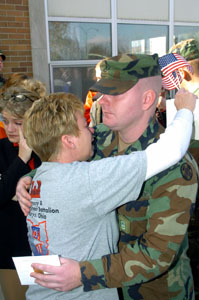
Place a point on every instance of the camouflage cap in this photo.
(189, 49)
(2, 55)
(122, 72)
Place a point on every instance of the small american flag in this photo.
(170, 65)
(172, 81)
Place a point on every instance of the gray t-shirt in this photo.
(73, 213)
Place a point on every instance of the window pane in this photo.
(76, 80)
(185, 32)
(77, 41)
(148, 39)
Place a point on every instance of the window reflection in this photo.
(76, 80)
(78, 41)
(185, 32)
(147, 39)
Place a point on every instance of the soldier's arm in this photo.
(22, 188)
(152, 253)
(149, 255)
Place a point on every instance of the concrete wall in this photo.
(39, 43)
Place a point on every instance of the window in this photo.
(75, 48)
(80, 33)
(76, 80)
(185, 32)
(142, 38)
(79, 41)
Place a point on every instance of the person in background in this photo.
(87, 106)
(16, 159)
(20, 79)
(189, 49)
(151, 262)
(15, 79)
(91, 114)
(2, 130)
(161, 108)
(2, 59)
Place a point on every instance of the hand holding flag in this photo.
(170, 65)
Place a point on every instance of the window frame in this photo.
(113, 21)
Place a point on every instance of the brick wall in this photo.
(15, 37)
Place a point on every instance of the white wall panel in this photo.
(156, 10)
(79, 8)
(186, 11)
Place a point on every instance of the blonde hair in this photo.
(34, 85)
(48, 119)
(20, 84)
(15, 79)
(17, 101)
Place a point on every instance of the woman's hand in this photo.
(24, 151)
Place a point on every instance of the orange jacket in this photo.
(87, 105)
(2, 131)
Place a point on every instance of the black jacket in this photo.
(13, 240)
(2, 81)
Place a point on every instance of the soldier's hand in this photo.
(185, 99)
(63, 278)
(22, 194)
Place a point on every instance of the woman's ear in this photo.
(149, 98)
(68, 141)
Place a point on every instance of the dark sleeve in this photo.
(9, 179)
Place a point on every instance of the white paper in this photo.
(23, 266)
(171, 111)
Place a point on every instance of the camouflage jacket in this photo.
(194, 222)
(194, 149)
(152, 262)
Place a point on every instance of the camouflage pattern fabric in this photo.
(122, 72)
(152, 262)
(193, 230)
(189, 49)
(194, 150)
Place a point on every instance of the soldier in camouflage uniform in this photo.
(152, 262)
(189, 49)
